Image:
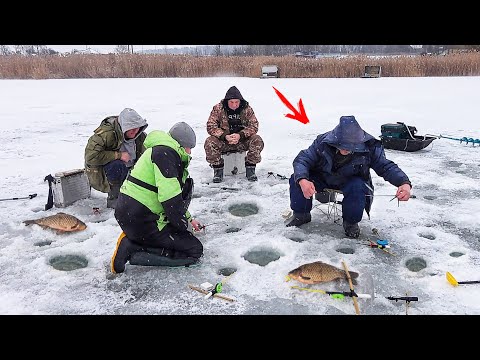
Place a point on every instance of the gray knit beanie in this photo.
(184, 134)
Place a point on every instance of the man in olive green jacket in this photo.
(152, 208)
(112, 150)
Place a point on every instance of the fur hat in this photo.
(183, 134)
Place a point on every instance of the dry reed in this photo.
(189, 66)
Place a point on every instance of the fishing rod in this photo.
(381, 244)
(205, 292)
(210, 290)
(394, 196)
(226, 188)
(31, 196)
(451, 279)
(343, 294)
(202, 227)
(335, 294)
(403, 298)
(217, 288)
(281, 177)
(407, 300)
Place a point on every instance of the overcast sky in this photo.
(109, 48)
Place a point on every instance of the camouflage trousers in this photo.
(214, 148)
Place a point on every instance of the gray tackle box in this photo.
(70, 186)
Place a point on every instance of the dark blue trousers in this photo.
(353, 203)
(116, 171)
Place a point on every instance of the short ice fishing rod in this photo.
(336, 294)
(407, 299)
(31, 196)
(381, 244)
(215, 289)
(281, 177)
(403, 298)
(451, 279)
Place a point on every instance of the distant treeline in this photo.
(190, 66)
(252, 50)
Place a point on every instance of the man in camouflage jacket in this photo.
(233, 126)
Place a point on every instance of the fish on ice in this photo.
(61, 222)
(319, 272)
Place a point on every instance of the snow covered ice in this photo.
(46, 124)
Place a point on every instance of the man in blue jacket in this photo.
(341, 159)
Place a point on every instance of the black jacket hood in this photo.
(233, 93)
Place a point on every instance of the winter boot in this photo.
(145, 258)
(113, 194)
(351, 230)
(121, 255)
(298, 219)
(217, 174)
(250, 172)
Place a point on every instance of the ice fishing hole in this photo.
(297, 239)
(226, 271)
(243, 210)
(456, 254)
(232, 230)
(453, 163)
(427, 236)
(68, 262)
(43, 243)
(416, 264)
(346, 250)
(99, 220)
(261, 257)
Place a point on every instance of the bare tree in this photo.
(122, 49)
(20, 49)
(41, 49)
(4, 50)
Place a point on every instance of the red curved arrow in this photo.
(297, 115)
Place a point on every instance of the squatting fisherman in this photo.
(341, 159)
(152, 208)
(112, 150)
(233, 126)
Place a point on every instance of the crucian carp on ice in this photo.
(320, 272)
(60, 222)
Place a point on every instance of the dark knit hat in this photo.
(183, 134)
(233, 93)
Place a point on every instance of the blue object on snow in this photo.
(382, 242)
